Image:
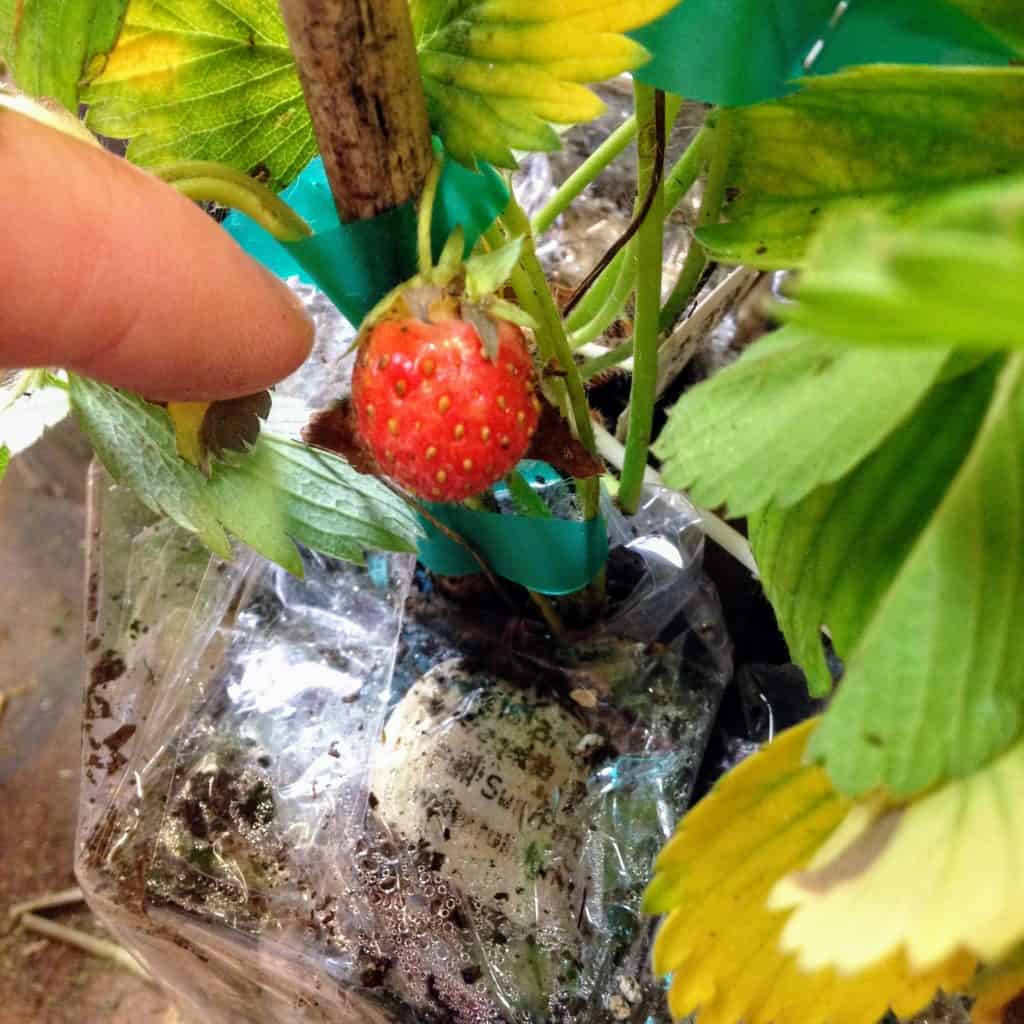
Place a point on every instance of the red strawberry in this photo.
(440, 417)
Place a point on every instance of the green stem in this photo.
(209, 182)
(547, 610)
(590, 368)
(710, 211)
(717, 529)
(611, 148)
(594, 304)
(538, 295)
(649, 255)
(592, 167)
(535, 297)
(424, 245)
(685, 170)
(596, 296)
(614, 304)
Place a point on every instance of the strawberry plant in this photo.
(869, 445)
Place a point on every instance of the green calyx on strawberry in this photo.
(444, 388)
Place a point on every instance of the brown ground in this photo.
(42, 517)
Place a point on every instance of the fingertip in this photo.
(298, 331)
(128, 281)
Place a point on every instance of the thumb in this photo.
(108, 271)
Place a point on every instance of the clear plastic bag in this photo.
(372, 796)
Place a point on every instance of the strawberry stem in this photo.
(552, 330)
(650, 107)
(531, 287)
(598, 304)
(594, 165)
(206, 181)
(710, 210)
(424, 245)
(547, 609)
(611, 148)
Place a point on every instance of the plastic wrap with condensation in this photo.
(345, 799)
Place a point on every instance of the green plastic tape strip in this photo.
(357, 264)
(550, 556)
(737, 52)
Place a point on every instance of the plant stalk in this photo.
(550, 615)
(710, 211)
(360, 75)
(207, 182)
(651, 153)
(594, 304)
(590, 368)
(642, 210)
(592, 167)
(726, 537)
(50, 901)
(535, 297)
(611, 309)
(424, 247)
(539, 297)
(587, 171)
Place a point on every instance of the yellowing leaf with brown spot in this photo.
(720, 941)
(940, 874)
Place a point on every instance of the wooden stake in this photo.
(360, 75)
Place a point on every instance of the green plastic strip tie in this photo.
(357, 264)
(738, 52)
(549, 556)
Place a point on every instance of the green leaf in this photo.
(830, 559)
(879, 137)
(284, 489)
(205, 81)
(764, 54)
(497, 73)
(1004, 17)
(50, 44)
(488, 272)
(5, 458)
(135, 442)
(935, 687)
(792, 413)
(278, 492)
(951, 276)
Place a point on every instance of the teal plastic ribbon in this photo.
(550, 556)
(737, 52)
(357, 264)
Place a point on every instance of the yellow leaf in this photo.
(497, 71)
(720, 942)
(188, 421)
(550, 41)
(938, 875)
(551, 98)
